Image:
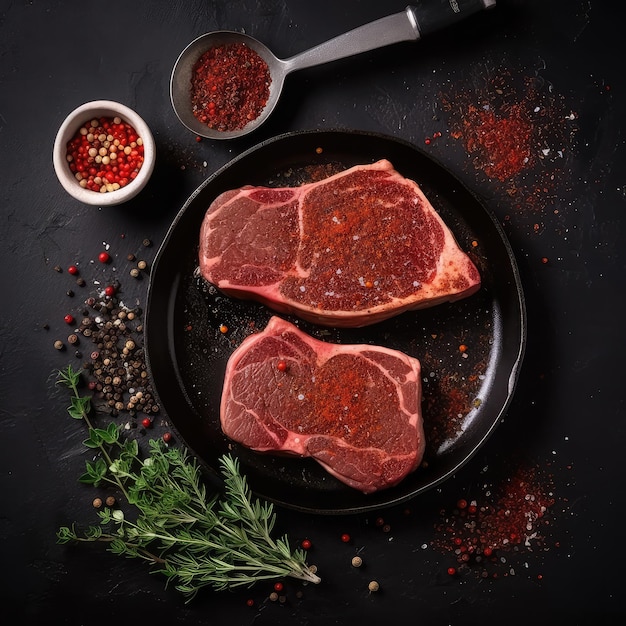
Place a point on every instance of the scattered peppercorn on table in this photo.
(520, 103)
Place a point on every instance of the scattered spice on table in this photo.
(506, 519)
(116, 368)
(513, 126)
(105, 154)
(230, 86)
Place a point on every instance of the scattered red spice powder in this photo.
(230, 86)
(517, 131)
(500, 144)
(509, 518)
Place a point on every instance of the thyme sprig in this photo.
(223, 540)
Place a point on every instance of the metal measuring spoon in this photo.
(409, 25)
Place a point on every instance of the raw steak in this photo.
(355, 409)
(350, 250)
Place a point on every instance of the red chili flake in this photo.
(230, 86)
(104, 257)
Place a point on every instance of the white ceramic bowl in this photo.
(85, 113)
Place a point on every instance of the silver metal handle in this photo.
(409, 25)
(382, 32)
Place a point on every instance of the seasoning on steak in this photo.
(355, 409)
(350, 250)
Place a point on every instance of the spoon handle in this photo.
(431, 15)
(409, 25)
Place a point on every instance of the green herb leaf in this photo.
(79, 407)
(96, 472)
(222, 540)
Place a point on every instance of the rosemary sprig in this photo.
(195, 540)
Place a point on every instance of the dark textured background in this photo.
(568, 412)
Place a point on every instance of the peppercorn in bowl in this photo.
(104, 153)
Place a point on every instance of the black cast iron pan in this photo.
(470, 351)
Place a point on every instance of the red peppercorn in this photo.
(278, 586)
(487, 552)
(345, 537)
(72, 269)
(146, 422)
(306, 544)
(167, 437)
(462, 504)
(104, 257)
(451, 571)
(109, 291)
(250, 602)
(69, 319)
(281, 366)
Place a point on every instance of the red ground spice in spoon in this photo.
(230, 86)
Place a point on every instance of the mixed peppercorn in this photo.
(105, 154)
(116, 368)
